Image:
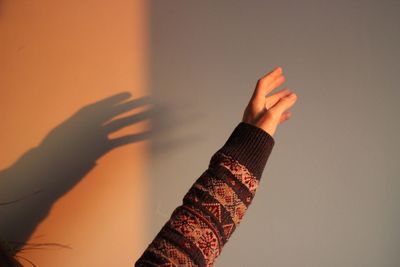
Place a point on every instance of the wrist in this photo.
(250, 145)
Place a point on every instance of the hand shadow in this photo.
(47, 172)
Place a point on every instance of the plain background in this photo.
(57, 57)
(330, 193)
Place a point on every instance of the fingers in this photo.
(266, 84)
(268, 112)
(273, 99)
(128, 139)
(285, 116)
(283, 104)
(267, 79)
(112, 100)
(126, 106)
(118, 124)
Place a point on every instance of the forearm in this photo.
(215, 204)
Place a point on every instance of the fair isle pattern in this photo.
(215, 204)
(205, 204)
(170, 253)
(240, 172)
(225, 196)
(199, 230)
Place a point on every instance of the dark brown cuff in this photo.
(249, 145)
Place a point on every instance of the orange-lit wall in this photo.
(56, 57)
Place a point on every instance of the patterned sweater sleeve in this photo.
(215, 204)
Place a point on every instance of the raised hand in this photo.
(267, 112)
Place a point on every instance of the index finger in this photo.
(266, 84)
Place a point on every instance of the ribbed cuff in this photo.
(249, 145)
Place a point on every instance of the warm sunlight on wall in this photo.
(56, 57)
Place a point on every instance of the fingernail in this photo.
(292, 95)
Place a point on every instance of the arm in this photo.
(216, 203)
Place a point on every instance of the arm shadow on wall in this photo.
(68, 152)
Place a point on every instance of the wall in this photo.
(58, 57)
(330, 192)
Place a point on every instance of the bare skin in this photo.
(267, 112)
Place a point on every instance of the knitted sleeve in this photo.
(215, 204)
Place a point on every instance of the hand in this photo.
(267, 112)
